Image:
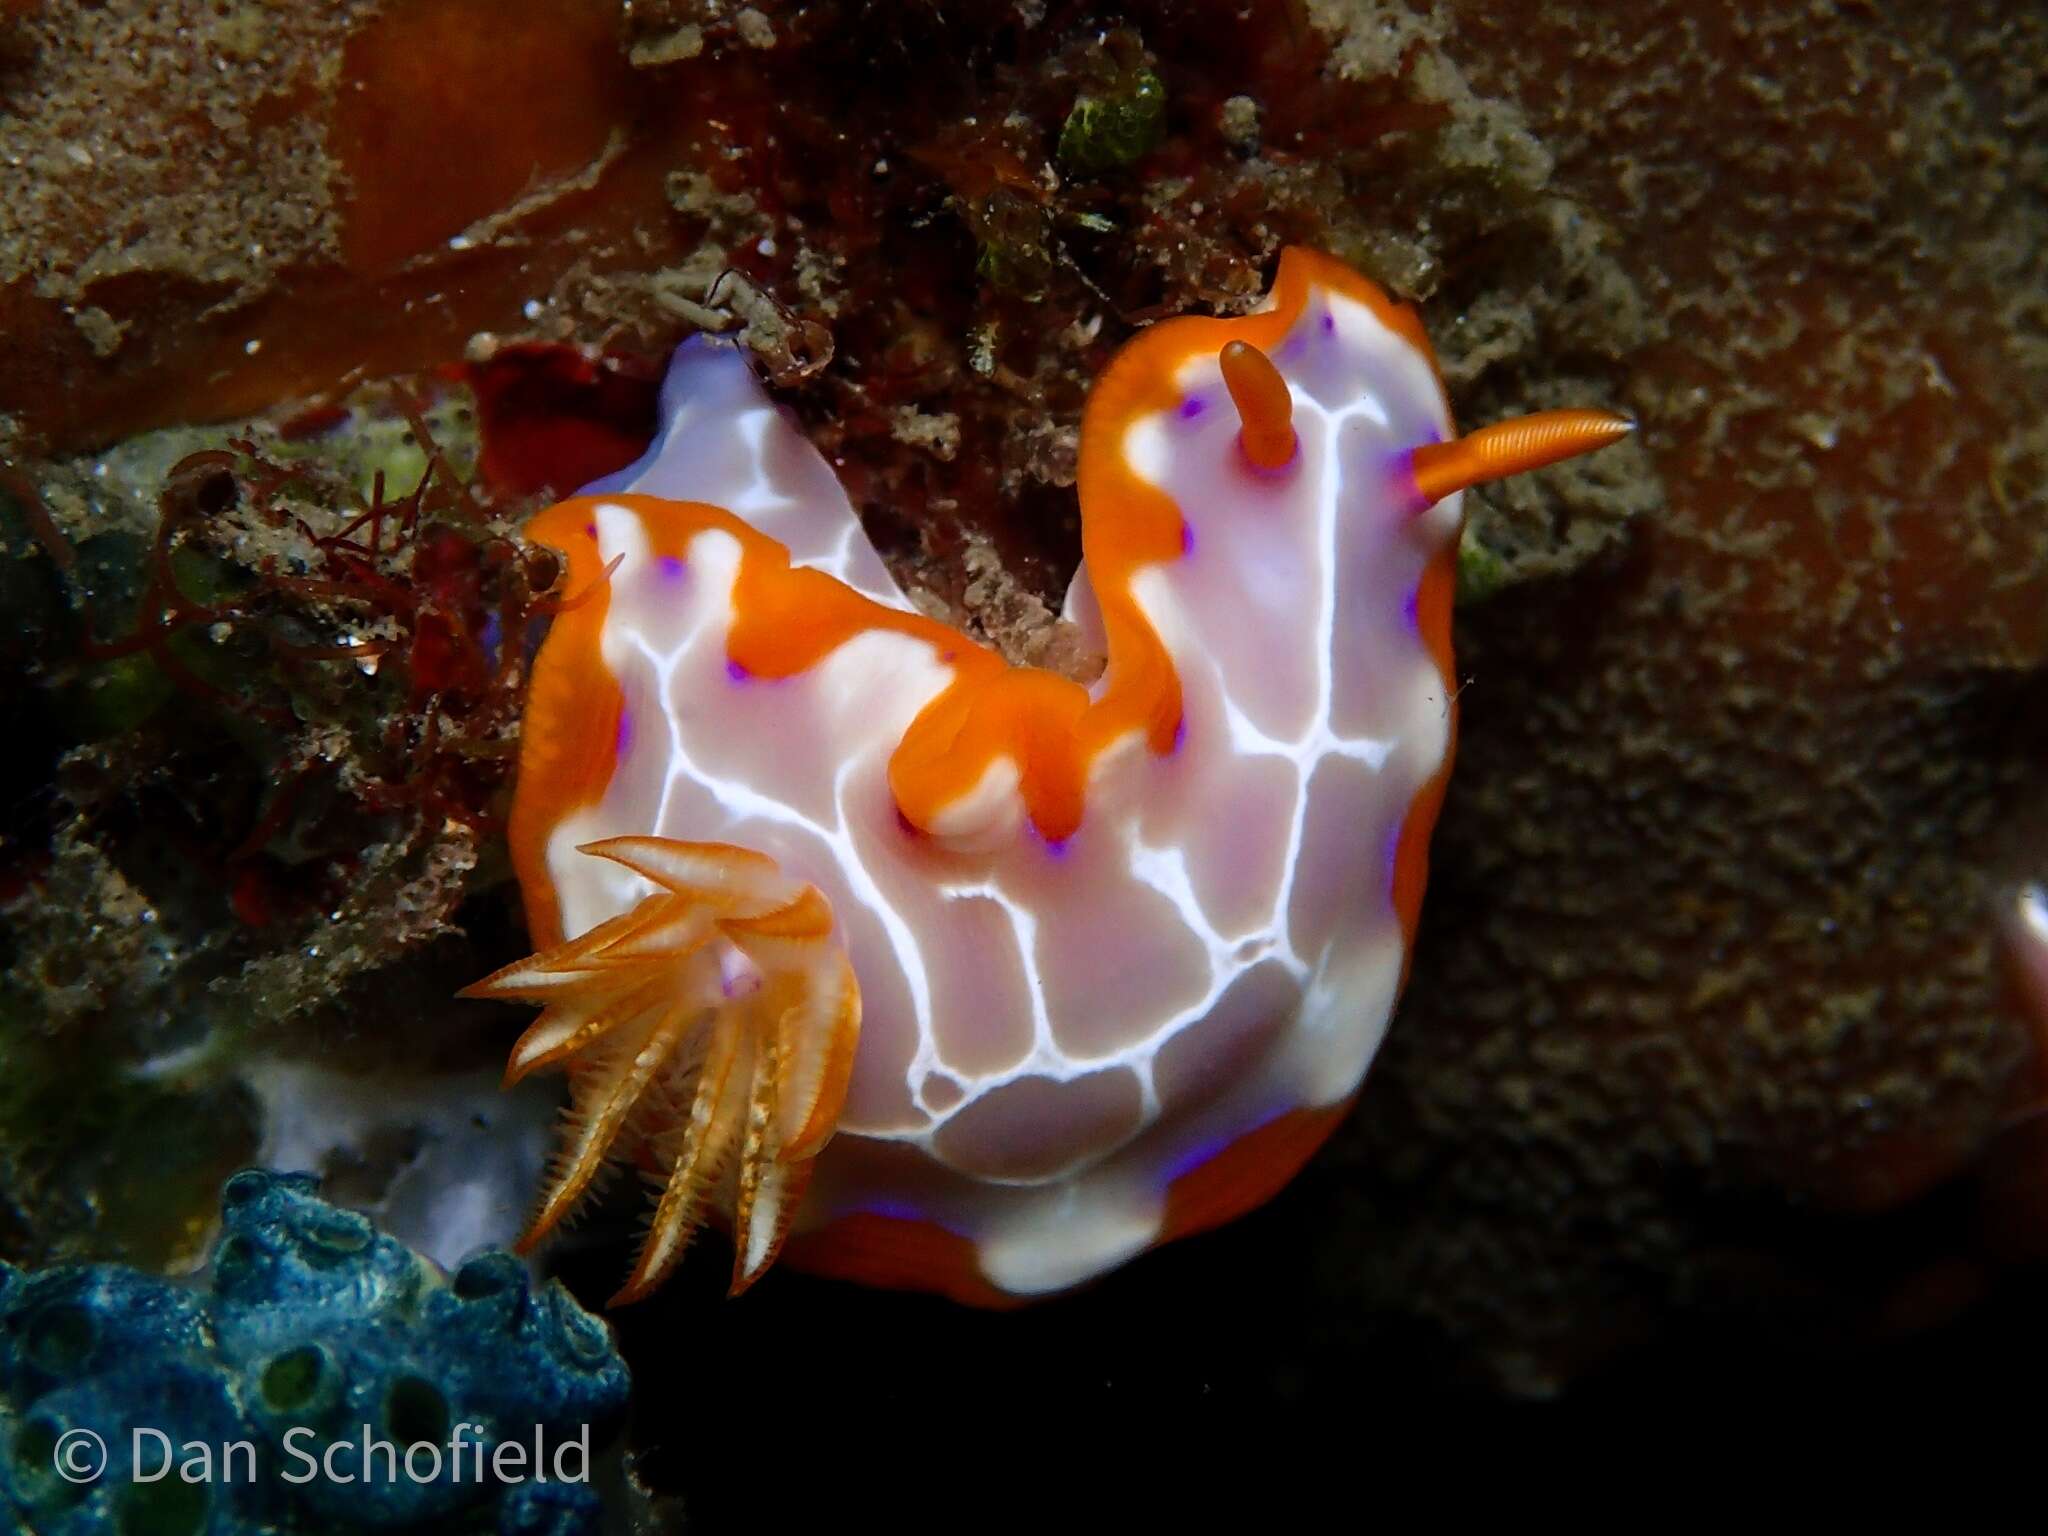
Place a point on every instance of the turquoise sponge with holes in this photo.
(264, 1399)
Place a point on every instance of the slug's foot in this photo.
(708, 1034)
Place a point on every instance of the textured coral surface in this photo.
(1705, 1060)
(1712, 967)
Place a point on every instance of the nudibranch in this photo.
(966, 976)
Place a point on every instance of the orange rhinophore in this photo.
(1264, 404)
(1510, 447)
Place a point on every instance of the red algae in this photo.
(552, 418)
(422, 147)
(453, 111)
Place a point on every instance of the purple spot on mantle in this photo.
(1393, 854)
(591, 529)
(1187, 537)
(1194, 1157)
(1192, 407)
(624, 744)
(1401, 485)
(1057, 847)
(1180, 735)
(1409, 605)
(670, 566)
(1329, 323)
(738, 673)
(1202, 1151)
(901, 1210)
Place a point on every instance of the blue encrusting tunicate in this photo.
(242, 1405)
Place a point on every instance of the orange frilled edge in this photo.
(897, 1253)
(787, 619)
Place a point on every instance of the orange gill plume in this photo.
(709, 1035)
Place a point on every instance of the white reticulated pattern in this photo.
(1052, 1033)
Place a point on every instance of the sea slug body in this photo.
(965, 976)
